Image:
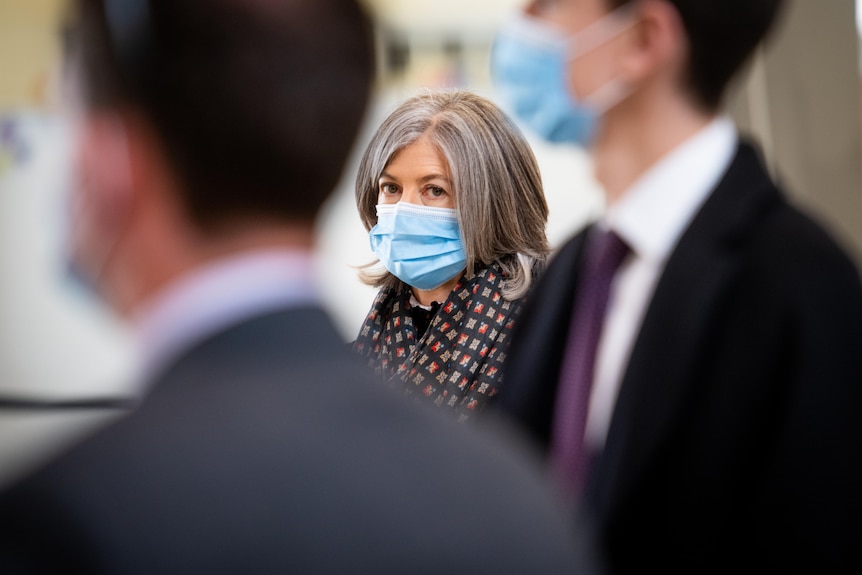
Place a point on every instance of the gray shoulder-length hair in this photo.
(498, 191)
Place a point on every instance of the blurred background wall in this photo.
(800, 100)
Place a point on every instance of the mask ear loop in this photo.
(601, 31)
(594, 36)
(607, 96)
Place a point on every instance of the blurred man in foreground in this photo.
(209, 132)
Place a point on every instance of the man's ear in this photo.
(103, 167)
(658, 42)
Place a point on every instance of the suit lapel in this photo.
(538, 343)
(676, 325)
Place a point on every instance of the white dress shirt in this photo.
(216, 296)
(651, 216)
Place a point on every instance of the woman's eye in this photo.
(389, 188)
(436, 192)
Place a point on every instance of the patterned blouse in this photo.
(457, 362)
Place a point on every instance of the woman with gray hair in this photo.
(451, 195)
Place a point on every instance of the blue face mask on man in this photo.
(420, 245)
(529, 65)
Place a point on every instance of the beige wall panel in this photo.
(801, 100)
(28, 51)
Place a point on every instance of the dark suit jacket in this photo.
(736, 440)
(267, 449)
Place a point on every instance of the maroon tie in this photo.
(604, 252)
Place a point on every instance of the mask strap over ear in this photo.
(607, 96)
(602, 31)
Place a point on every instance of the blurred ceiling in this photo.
(460, 16)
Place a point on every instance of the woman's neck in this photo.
(438, 294)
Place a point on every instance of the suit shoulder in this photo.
(795, 242)
(305, 445)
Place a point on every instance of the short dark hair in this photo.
(257, 103)
(722, 36)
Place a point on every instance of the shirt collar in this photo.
(218, 295)
(655, 211)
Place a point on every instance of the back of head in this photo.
(255, 102)
(722, 35)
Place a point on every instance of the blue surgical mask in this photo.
(529, 66)
(420, 245)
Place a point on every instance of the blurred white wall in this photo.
(471, 17)
(55, 340)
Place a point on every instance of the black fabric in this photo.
(422, 317)
(735, 440)
(267, 449)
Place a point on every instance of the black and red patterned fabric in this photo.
(458, 362)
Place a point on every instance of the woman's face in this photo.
(418, 174)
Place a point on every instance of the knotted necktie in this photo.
(604, 252)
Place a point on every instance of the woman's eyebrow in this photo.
(422, 180)
(430, 177)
